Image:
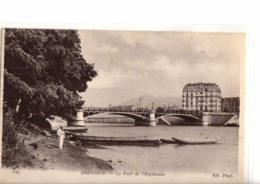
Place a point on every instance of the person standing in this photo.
(61, 135)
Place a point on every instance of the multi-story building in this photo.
(230, 104)
(201, 97)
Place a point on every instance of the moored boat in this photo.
(144, 141)
(196, 141)
(75, 129)
(72, 129)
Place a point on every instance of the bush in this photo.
(40, 122)
(14, 152)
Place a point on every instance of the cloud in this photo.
(107, 49)
(161, 63)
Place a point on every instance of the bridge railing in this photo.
(165, 111)
(115, 109)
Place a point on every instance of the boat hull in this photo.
(117, 140)
(75, 129)
(196, 141)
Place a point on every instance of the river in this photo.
(220, 157)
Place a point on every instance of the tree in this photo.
(159, 110)
(44, 71)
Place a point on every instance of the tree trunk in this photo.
(18, 105)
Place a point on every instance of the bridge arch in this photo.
(179, 119)
(182, 116)
(136, 117)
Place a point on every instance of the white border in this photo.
(144, 14)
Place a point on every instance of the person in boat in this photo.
(61, 135)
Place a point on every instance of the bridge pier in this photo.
(152, 119)
(79, 119)
(150, 122)
(205, 119)
(216, 118)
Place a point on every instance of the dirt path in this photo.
(48, 156)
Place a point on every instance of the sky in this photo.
(132, 64)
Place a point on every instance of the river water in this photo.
(220, 157)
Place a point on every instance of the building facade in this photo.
(201, 97)
(230, 104)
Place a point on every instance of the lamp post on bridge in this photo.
(140, 102)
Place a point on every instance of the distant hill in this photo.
(105, 96)
(116, 96)
(158, 102)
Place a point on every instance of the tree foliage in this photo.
(160, 110)
(44, 71)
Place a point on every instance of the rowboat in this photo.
(169, 141)
(75, 129)
(144, 141)
(196, 141)
(72, 130)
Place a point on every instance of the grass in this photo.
(14, 152)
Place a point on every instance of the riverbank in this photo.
(46, 154)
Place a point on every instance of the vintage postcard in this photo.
(122, 106)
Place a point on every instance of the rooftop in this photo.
(201, 83)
